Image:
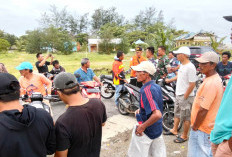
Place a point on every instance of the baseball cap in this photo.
(139, 48)
(25, 65)
(146, 66)
(209, 56)
(65, 80)
(7, 80)
(183, 50)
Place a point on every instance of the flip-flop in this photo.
(169, 133)
(180, 140)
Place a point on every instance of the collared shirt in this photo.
(85, 76)
(150, 100)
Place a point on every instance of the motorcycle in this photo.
(36, 100)
(90, 89)
(168, 93)
(128, 99)
(130, 96)
(107, 89)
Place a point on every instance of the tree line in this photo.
(59, 28)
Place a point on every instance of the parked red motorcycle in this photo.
(90, 89)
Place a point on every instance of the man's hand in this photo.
(125, 81)
(139, 130)
(167, 80)
(194, 128)
(137, 112)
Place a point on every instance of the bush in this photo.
(106, 47)
(4, 45)
(123, 46)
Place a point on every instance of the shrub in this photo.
(4, 45)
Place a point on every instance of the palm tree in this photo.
(215, 44)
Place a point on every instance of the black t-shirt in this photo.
(79, 129)
(44, 68)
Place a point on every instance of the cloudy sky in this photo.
(17, 16)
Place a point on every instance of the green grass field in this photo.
(69, 62)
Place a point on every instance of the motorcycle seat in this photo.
(133, 87)
(108, 77)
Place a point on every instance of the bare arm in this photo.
(189, 90)
(52, 57)
(201, 114)
(96, 79)
(43, 61)
(155, 116)
(172, 79)
(61, 153)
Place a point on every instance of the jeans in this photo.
(199, 144)
(117, 94)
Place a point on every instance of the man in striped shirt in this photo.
(147, 139)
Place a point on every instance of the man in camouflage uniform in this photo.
(3, 68)
(162, 63)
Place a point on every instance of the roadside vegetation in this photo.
(100, 63)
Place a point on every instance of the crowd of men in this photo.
(30, 131)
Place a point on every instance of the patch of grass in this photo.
(69, 62)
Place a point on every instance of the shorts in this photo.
(182, 108)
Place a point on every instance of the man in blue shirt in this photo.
(86, 74)
(147, 139)
(225, 66)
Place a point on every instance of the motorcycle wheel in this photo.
(107, 90)
(168, 120)
(122, 110)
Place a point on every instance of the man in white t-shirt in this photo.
(186, 79)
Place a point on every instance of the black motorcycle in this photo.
(168, 93)
(36, 100)
(107, 89)
(128, 99)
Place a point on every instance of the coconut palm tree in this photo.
(215, 44)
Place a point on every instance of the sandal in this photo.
(169, 133)
(180, 140)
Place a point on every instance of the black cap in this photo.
(7, 83)
(65, 80)
(139, 48)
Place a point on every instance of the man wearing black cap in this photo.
(24, 130)
(79, 129)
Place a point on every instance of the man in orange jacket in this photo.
(118, 74)
(135, 60)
